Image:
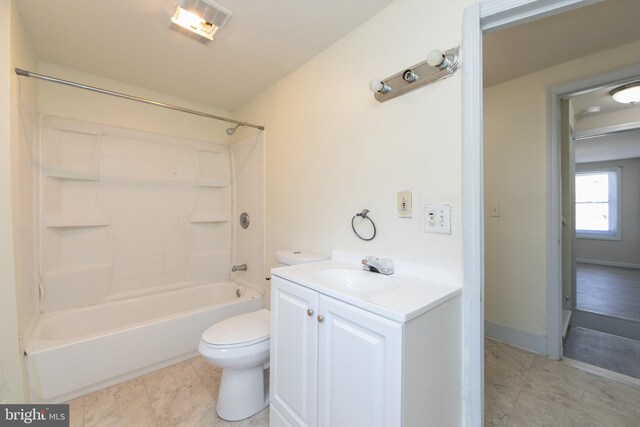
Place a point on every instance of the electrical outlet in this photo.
(404, 204)
(437, 219)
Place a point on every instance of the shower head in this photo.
(231, 131)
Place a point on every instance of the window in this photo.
(597, 204)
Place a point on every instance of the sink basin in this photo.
(358, 280)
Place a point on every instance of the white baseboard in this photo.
(608, 263)
(516, 337)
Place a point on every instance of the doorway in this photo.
(479, 19)
(600, 169)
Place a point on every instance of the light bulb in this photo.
(378, 86)
(375, 85)
(435, 58)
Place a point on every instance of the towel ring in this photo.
(363, 215)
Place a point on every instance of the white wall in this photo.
(516, 177)
(73, 103)
(17, 309)
(332, 150)
(24, 185)
(627, 249)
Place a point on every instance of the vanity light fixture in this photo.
(439, 65)
(627, 94)
(200, 18)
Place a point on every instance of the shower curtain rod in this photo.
(26, 73)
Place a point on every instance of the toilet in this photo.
(240, 346)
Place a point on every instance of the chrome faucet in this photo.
(241, 267)
(378, 265)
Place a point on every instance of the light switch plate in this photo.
(404, 204)
(437, 219)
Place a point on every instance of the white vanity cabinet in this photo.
(337, 365)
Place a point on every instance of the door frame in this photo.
(479, 18)
(555, 95)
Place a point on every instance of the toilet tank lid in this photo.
(294, 257)
(244, 328)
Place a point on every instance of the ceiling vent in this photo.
(199, 19)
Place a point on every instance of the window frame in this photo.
(616, 234)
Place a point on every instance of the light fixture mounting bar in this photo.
(426, 74)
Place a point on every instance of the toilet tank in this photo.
(293, 257)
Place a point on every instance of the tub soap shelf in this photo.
(202, 217)
(61, 172)
(77, 220)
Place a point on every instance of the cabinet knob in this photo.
(320, 318)
(309, 312)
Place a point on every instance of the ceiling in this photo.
(524, 49)
(128, 41)
(599, 98)
(534, 46)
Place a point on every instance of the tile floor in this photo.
(524, 389)
(179, 395)
(605, 350)
(521, 389)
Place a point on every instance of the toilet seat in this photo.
(239, 331)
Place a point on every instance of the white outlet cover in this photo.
(437, 219)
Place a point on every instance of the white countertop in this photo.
(416, 288)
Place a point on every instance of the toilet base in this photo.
(242, 393)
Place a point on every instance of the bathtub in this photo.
(77, 351)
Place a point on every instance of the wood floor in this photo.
(604, 350)
(612, 291)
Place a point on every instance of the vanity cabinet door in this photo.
(294, 352)
(360, 368)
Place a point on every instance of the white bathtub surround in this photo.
(76, 351)
(247, 159)
(127, 212)
(25, 215)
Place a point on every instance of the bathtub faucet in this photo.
(241, 267)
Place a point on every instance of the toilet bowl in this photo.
(240, 346)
